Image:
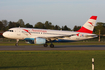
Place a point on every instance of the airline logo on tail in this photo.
(89, 25)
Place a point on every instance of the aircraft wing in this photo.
(57, 37)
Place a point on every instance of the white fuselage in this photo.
(22, 33)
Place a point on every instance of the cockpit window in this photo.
(10, 30)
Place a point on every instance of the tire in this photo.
(51, 45)
(45, 45)
(16, 44)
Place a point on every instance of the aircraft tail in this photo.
(88, 26)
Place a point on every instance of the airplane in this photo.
(44, 36)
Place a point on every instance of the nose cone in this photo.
(5, 34)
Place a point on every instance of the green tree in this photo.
(76, 28)
(56, 27)
(100, 26)
(21, 22)
(5, 23)
(11, 24)
(48, 25)
(65, 28)
(39, 25)
(17, 24)
(1, 26)
(28, 25)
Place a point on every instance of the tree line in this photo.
(5, 25)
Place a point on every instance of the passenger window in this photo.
(10, 30)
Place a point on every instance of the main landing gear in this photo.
(45, 45)
(51, 45)
(17, 40)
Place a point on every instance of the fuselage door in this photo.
(18, 32)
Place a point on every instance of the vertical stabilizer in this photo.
(89, 25)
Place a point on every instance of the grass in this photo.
(68, 43)
(51, 60)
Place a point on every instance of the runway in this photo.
(59, 47)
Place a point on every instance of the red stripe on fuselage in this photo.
(84, 30)
(27, 31)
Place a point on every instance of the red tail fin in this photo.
(89, 25)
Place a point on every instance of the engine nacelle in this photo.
(35, 40)
(39, 41)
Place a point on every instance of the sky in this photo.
(58, 12)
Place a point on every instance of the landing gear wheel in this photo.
(16, 44)
(45, 45)
(51, 45)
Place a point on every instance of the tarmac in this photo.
(57, 47)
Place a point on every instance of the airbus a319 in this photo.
(44, 36)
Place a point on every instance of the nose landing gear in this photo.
(17, 40)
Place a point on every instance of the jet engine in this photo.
(35, 40)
